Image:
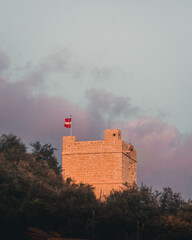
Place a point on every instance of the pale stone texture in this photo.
(106, 164)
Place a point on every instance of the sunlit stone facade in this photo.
(105, 164)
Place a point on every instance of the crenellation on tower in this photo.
(105, 164)
(112, 134)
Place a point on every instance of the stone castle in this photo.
(105, 165)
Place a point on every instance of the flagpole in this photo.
(71, 126)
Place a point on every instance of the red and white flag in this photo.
(67, 122)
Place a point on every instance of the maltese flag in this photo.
(67, 122)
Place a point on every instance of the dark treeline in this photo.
(33, 194)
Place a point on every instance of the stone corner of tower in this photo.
(112, 134)
(69, 139)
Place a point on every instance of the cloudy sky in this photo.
(127, 62)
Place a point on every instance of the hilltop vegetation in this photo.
(33, 194)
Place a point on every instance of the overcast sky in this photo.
(124, 61)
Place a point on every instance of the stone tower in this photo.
(105, 164)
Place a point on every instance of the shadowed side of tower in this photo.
(105, 164)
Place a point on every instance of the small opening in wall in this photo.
(114, 134)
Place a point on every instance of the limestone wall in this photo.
(104, 164)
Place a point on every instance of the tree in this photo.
(128, 214)
(170, 202)
(45, 153)
(12, 148)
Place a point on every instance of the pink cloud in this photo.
(164, 154)
(40, 116)
(104, 103)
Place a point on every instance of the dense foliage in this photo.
(33, 194)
